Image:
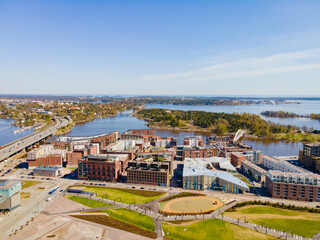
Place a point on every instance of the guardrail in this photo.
(43, 134)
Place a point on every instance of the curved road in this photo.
(22, 143)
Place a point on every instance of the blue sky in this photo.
(160, 47)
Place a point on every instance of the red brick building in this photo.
(293, 186)
(50, 160)
(148, 173)
(146, 134)
(106, 167)
(76, 155)
(63, 142)
(199, 153)
(237, 158)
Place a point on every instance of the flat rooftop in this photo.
(72, 139)
(8, 183)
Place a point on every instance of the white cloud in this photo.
(246, 67)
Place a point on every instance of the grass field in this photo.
(24, 195)
(88, 202)
(132, 217)
(112, 222)
(26, 184)
(302, 223)
(211, 229)
(127, 195)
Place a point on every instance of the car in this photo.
(32, 177)
(133, 187)
(47, 178)
(142, 188)
(318, 206)
(104, 184)
(22, 176)
(42, 178)
(154, 189)
(61, 190)
(149, 188)
(84, 183)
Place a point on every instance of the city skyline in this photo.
(147, 48)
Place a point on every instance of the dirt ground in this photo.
(192, 205)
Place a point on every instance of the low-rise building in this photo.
(9, 194)
(150, 173)
(68, 142)
(203, 174)
(160, 142)
(254, 171)
(193, 141)
(131, 147)
(106, 167)
(48, 160)
(45, 150)
(200, 152)
(48, 171)
(79, 152)
(238, 157)
(271, 163)
(294, 186)
(134, 134)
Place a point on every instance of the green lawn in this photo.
(26, 184)
(126, 197)
(88, 202)
(302, 223)
(302, 227)
(132, 217)
(268, 210)
(211, 229)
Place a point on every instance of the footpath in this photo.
(159, 218)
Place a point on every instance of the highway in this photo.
(22, 143)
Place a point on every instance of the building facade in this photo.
(271, 163)
(148, 173)
(49, 160)
(293, 186)
(106, 167)
(201, 174)
(311, 156)
(254, 171)
(48, 171)
(203, 152)
(9, 194)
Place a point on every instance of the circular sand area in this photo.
(192, 205)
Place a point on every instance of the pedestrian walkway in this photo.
(217, 214)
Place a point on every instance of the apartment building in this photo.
(311, 156)
(293, 186)
(134, 134)
(150, 173)
(45, 155)
(238, 157)
(272, 163)
(68, 143)
(48, 160)
(106, 167)
(193, 141)
(254, 171)
(200, 152)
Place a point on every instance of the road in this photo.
(22, 143)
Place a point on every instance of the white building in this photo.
(271, 163)
(202, 174)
